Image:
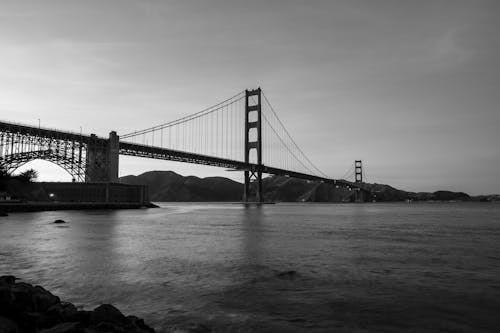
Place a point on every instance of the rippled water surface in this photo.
(275, 268)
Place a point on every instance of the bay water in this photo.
(398, 267)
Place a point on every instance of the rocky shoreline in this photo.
(25, 308)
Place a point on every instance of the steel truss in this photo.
(20, 145)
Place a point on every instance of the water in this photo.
(224, 267)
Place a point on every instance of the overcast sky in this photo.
(410, 87)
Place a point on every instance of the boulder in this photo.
(140, 325)
(83, 317)
(22, 295)
(65, 328)
(288, 275)
(32, 321)
(28, 309)
(7, 307)
(109, 314)
(58, 221)
(44, 299)
(5, 296)
(111, 327)
(7, 280)
(63, 312)
(8, 326)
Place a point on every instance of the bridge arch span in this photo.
(12, 162)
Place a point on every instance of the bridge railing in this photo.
(44, 128)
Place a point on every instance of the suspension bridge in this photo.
(242, 133)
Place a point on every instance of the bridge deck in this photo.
(138, 150)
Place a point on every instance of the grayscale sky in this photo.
(410, 87)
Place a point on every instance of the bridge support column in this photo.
(102, 159)
(253, 183)
(359, 194)
(113, 154)
(253, 141)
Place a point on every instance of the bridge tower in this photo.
(358, 171)
(359, 194)
(253, 131)
(102, 159)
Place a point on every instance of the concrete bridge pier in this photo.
(102, 159)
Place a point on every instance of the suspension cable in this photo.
(198, 114)
(293, 141)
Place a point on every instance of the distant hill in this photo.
(286, 189)
(170, 186)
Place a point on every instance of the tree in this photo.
(29, 175)
(3, 173)
(4, 176)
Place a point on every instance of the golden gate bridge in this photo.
(242, 133)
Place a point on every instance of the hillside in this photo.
(170, 186)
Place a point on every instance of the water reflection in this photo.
(253, 238)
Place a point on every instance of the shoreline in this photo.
(32, 309)
(25, 207)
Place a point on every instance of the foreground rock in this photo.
(32, 309)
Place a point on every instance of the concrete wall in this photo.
(96, 192)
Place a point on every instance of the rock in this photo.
(32, 321)
(83, 317)
(44, 299)
(22, 294)
(107, 313)
(5, 297)
(32, 298)
(110, 327)
(139, 324)
(7, 307)
(65, 328)
(287, 275)
(7, 280)
(194, 328)
(58, 221)
(8, 326)
(27, 309)
(63, 312)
